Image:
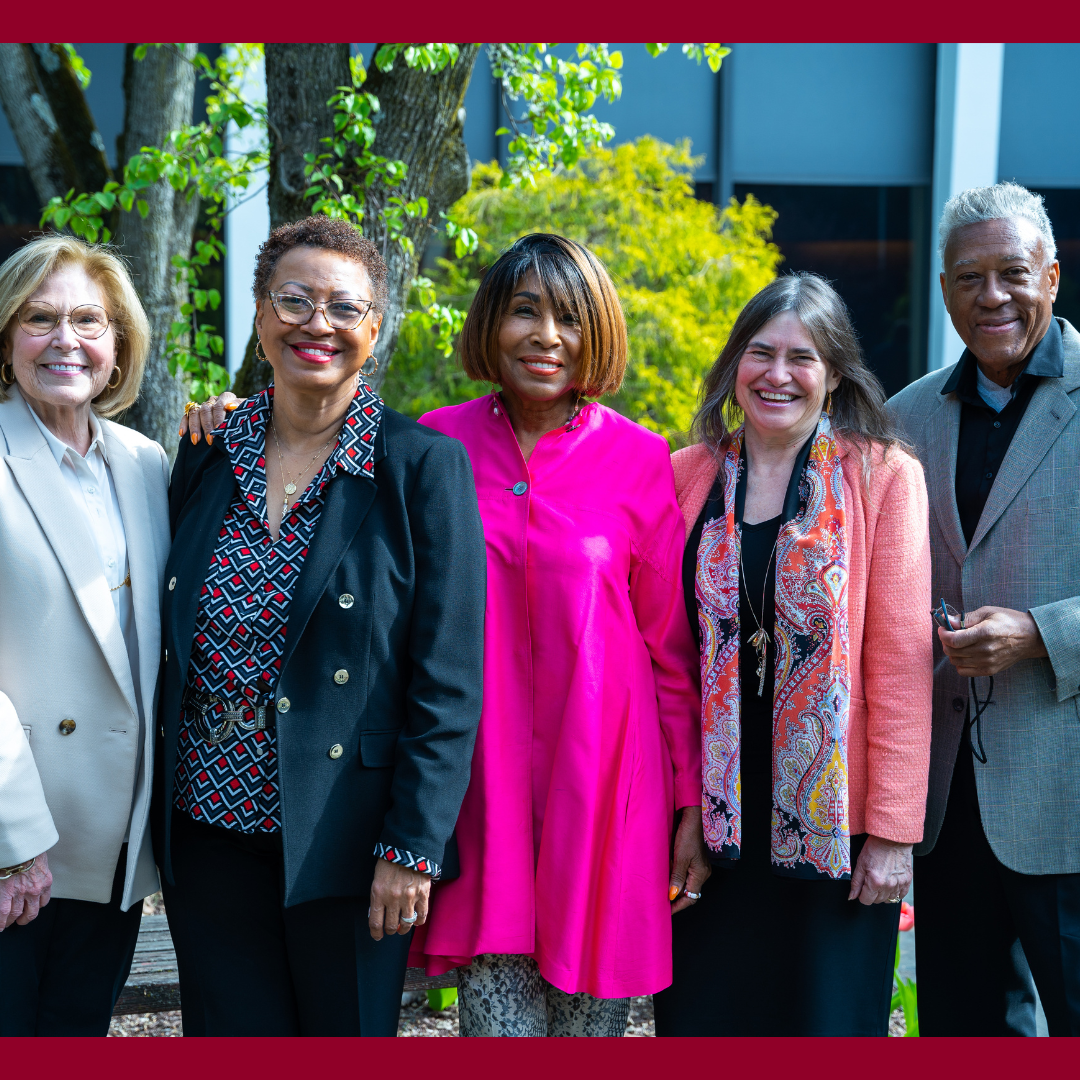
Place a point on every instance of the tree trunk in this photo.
(41, 140)
(159, 94)
(420, 121)
(76, 122)
(300, 80)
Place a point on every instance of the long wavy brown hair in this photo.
(858, 403)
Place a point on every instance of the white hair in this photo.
(1002, 200)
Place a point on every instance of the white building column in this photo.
(247, 225)
(967, 126)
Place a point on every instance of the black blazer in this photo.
(408, 545)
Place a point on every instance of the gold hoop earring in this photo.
(260, 355)
(118, 371)
(4, 378)
(828, 405)
(368, 374)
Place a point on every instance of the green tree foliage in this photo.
(554, 127)
(683, 270)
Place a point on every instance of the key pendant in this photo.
(760, 640)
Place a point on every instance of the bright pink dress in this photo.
(590, 733)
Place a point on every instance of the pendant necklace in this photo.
(759, 639)
(290, 487)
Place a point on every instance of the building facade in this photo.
(857, 146)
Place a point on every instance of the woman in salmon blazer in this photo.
(807, 577)
(588, 741)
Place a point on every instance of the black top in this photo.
(985, 435)
(392, 591)
(757, 712)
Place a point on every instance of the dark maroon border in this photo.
(548, 1059)
(774, 20)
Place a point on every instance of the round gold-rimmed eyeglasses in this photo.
(87, 320)
(340, 314)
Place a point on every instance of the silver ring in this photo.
(693, 895)
(894, 900)
(415, 916)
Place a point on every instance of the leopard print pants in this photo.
(505, 995)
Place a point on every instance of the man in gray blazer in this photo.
(999, 436)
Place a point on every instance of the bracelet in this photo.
(11, 871)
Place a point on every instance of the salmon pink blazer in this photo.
(889, 628)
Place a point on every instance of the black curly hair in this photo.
(328, 234)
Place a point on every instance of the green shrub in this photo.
(683, 268)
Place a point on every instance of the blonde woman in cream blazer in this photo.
(84, 536)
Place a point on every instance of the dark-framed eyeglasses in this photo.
(87, 320)
(340, 314)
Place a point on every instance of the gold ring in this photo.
(189, 406)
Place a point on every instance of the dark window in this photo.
(869, 242)
(19, 209)
(703, 190)
(1063, 206)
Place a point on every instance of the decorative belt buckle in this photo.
(230, 718)
(258, 724)
(213, 735)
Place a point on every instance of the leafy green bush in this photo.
(683, 269)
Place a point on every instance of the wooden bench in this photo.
(153, 985)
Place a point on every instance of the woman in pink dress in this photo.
(589, 739)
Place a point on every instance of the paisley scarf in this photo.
(809, 836)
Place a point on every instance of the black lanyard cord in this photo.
(976, 720)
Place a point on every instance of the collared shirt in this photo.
(988, 421)
(242, 618)
(90, 482)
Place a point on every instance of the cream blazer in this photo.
(63, 657)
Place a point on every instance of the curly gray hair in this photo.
(1005, 199)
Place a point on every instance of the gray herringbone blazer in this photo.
(1024, 555)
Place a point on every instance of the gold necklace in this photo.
(759, 639)
(290, 486)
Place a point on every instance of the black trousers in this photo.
(251, 966)
(978, 920)
(760, 954)
(62, 973)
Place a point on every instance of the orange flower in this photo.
(907, 916)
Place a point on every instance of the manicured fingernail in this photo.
(181, 431)
(232, 405)
(210, 438)
(672, 892)
(194, 437)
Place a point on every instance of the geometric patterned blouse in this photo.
(243, 612)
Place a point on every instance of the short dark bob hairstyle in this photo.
(858, 403)
(327, 234)
(575, 280)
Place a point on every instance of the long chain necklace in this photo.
(289, 485)
(759, 639)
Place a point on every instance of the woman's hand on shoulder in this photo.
(23, 895)
(200, 421)
(690, 866)
(397, 894)
(883, 873)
